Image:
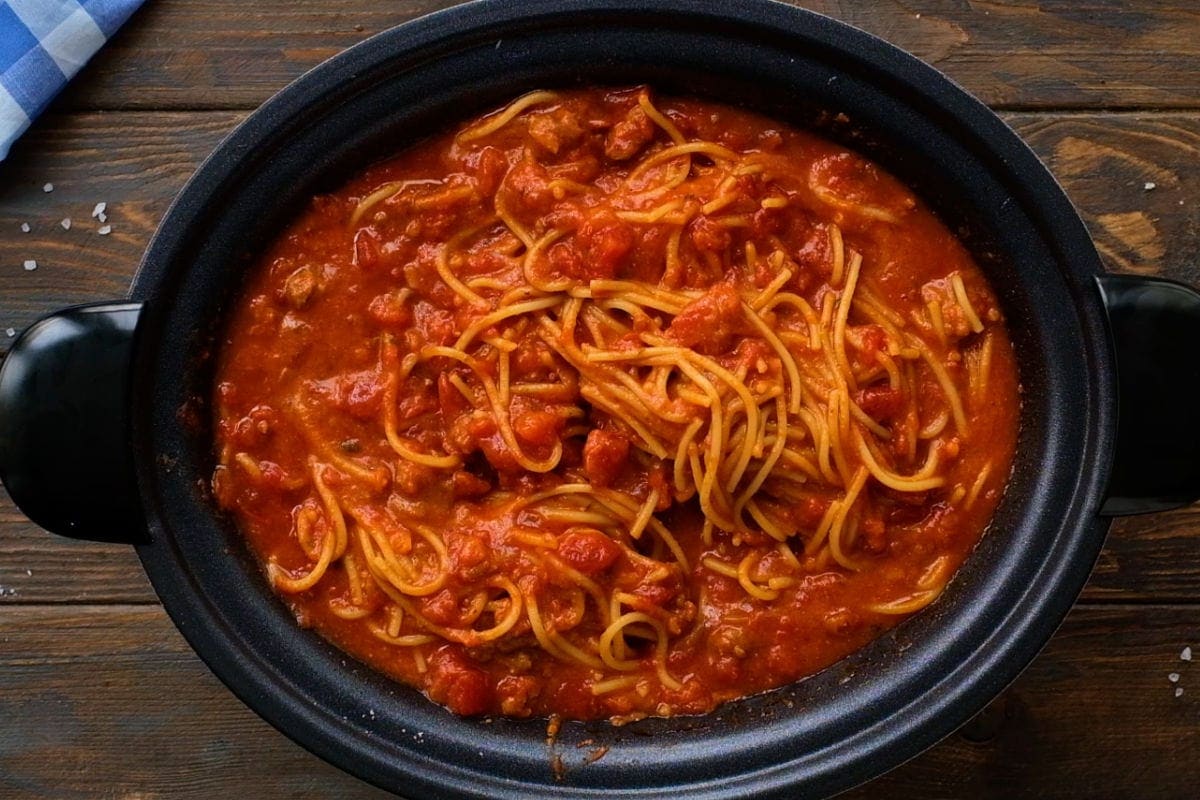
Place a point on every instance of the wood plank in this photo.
(102, 701)
(177, 54)
(109, 701)
(1133, 178)
(39, 567)
(1095, 715)
(135, 163)
(1149, 558)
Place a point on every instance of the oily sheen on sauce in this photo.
(607, 405)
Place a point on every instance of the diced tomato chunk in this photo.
(808, 511)
(709, 235)
(881, 402)
(452, 402)
(604, 243)
(441, 608)
(588, 550)
(360, 393)
(467, 485)
(484, 431)
(709, 322)
(555, 129)
(540, 428)
(452, 681)
(604, 455)
(867, 339)
(488, 166)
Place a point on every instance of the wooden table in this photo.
(100, 697)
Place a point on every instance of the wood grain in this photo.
(109, 701)
(137, 715)
(1094, 716)
(39, 567)
(191, 55)
(134, 162)
(1133, 177)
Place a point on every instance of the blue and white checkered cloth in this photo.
(43, 43)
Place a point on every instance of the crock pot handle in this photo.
(65, 456)
(1155, 326)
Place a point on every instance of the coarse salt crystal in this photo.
(49, 187)
(11, 332)
(102, 217)
(24, 227)
(99, 209)
(1150, 185)
(1186, 655)
(1173, 677)
(104, 230)
(30, 265)
(66, 223)
(1179, 691)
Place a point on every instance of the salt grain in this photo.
(30, 265)
(104, 230)
(11, 332)
(102, 217)
(99, 209)
(49, 187)
(1173, 677)
(1179, 691)
(1186, 655)
(66, 223)
(1150, 185)
(24, 227)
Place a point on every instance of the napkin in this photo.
(43, 43)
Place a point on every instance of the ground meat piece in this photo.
(298, 288)
(390, 311)
(555, 129)
(528, 186)
(629, 135)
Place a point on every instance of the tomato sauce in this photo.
(357, 452)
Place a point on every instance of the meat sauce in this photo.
(355, 286)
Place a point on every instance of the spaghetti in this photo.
(609, 406)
